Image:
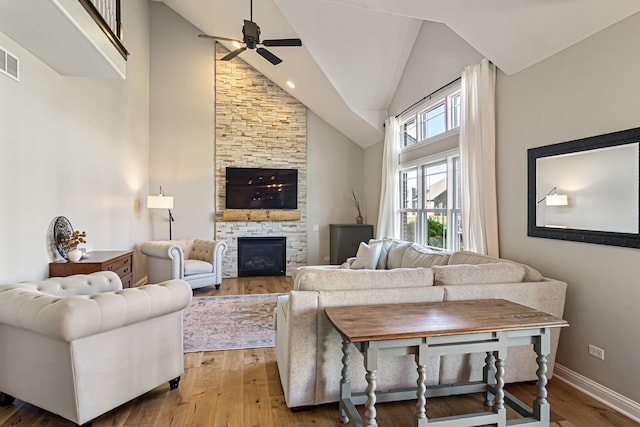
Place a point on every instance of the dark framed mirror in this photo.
(586, 190)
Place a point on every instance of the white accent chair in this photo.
(196, 261)
(81, 345)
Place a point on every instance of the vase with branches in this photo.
(356, 204)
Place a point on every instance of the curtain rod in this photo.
(427, 97)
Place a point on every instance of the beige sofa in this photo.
(308, 349)
(80, 346)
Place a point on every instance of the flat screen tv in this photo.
(259, 188)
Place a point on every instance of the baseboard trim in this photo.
(612, 399)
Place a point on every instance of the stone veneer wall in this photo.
(258, 125)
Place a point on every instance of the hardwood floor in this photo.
(241, 388)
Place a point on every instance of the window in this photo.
(430, 203)
(432, 117)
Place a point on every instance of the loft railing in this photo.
(106, 13)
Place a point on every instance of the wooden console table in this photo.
(436, 329)
(120, 262)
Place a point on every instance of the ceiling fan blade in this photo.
(229, 56)
(282, 42)
(268, 56)
(206, 36)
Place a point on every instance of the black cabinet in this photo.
(345, 239)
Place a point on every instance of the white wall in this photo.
(335, 164)
(182, 125)
(76, 147)
(588, 89)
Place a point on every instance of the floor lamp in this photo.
(161, 202)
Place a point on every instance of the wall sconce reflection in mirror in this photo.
(602, 175)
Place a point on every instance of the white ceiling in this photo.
(354, 51)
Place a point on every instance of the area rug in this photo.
(229, 322)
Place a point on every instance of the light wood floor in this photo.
(241, 388)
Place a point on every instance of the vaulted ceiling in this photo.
(354, 51)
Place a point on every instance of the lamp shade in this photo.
(160, 202)
(557, 200)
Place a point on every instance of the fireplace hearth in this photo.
(262, 256)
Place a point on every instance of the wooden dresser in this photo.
(120, 262)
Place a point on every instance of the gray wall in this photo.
(182, 125)
(182, 142)
(588, 89)
(334, 165)
(76, 147)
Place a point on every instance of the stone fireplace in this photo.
(258, 125)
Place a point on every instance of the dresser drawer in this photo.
(122, 266)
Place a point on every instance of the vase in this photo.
(74, 255)
(359, 219)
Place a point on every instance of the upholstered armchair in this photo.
(81, 345)
(196, 261)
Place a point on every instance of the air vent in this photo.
(9, 64)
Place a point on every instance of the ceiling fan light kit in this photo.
(251, 40)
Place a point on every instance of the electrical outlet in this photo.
(326, 258)
(596, 352)
(316, 227)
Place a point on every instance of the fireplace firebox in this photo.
(262, 256)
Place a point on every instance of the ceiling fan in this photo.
(251, 40)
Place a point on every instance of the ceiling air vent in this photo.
(9, 64)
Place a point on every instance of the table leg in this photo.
(421, 410)
(371, 366)
(345, 382)
(370, 404)
(489, 376)
(498, 404)
(541, 408)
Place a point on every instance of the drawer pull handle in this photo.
(126, 270)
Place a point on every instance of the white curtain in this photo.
(477, 157)
(389, 203)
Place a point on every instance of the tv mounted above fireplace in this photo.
(260, 188)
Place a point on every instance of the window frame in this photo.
(446, 96)
(453, 211)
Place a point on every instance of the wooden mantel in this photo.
(260, 215)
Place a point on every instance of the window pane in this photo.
(436, 227)
(409, 136)
(435, 185)
(408, 226)
(434, 121)
(455, 111)
(409, 189)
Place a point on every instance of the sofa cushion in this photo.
(419, 256)
(396, 252)
(466, 257)
(367, 256)
(342, 279)
(194, 266)
(474, 274)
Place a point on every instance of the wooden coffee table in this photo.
(440, 328)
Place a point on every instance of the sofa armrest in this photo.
(79, 316)
(165, 260)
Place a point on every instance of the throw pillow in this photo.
(419, 256)
(367, 256)
(396, 252)
(470, 274)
